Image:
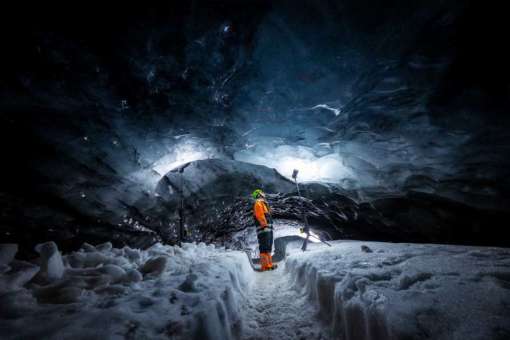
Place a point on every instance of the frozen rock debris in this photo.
(154, 266)
(366, 249)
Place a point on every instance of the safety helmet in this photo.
(257, 193)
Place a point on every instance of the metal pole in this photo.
(305, 219)
(306, 229)
(181, 208)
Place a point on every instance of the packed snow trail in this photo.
(276, 310)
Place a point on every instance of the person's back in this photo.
(264, 224)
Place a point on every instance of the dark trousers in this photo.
(265, 241)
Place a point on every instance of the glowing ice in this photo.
(189, 149)
(286, 158)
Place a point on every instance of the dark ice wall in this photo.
(98, 102)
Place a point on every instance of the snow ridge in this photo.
(349, 315)
(379, 291)
(406, 291)
(100, 292)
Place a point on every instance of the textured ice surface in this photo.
(396, 291)
(184, 293)
(407, 291)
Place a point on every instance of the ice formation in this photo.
(407, 291)
(52, 266)
(109, 293)
(352, 290)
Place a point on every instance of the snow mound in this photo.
(407, 291)
(52, 266)
(101, 292)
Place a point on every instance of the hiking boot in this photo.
(273, 267)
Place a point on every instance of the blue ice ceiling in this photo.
(392, 96)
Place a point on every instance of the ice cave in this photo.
(255, 169)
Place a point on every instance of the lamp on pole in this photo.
(306, 229)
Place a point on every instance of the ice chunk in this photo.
(154, 266)
(93, 259)
(104, 246)
(52, 266)
(116, 273)
(76, 260)
(90, 259)
(132, 254)
(7, 253)
(88, 248)
(133, 275)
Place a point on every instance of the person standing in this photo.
(264, 224)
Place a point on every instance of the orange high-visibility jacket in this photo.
(260, 209)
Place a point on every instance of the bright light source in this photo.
(282, 229)
(314, 238)
(308, 169)
(165, 164)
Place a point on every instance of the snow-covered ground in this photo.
(407, 291)
(387, 291)
(276, 310)
(106, 293)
